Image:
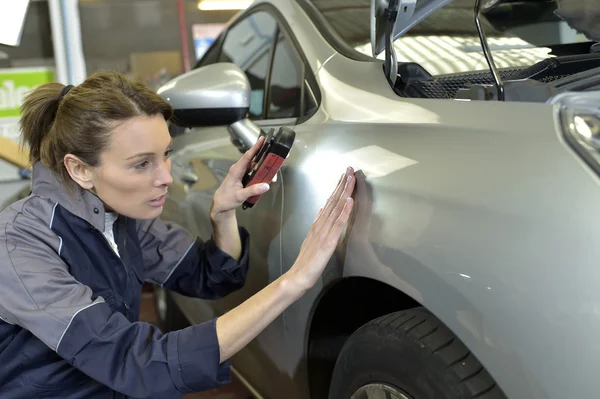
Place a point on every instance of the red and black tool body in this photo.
(269, 159)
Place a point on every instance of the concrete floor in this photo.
(235, 390)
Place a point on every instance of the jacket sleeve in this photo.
(136, 359)
(177, 261)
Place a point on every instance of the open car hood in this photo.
(581, 15)
(410, 13)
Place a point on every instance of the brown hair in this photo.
(80, 122)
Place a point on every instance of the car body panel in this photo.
(477, 210)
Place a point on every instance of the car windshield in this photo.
(519, 34)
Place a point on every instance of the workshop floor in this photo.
(235, 390)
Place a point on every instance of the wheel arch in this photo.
(347, 303)
(342, 307)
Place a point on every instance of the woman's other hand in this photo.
(243, 323)
(324, 234)
(231, 193)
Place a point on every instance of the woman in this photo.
(75, 253)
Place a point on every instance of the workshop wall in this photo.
(112, 29)
(36, 41)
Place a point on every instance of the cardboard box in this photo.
(11, 152)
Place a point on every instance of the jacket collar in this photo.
(79, 202)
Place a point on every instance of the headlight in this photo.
(579, 118)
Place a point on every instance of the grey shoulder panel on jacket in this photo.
(37, 291)
(33, 213)
(33, 216)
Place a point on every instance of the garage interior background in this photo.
(142, 38)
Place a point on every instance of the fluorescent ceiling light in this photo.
(12, 19)
(212, 5)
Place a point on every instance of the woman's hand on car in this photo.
(324, 234)
(232, 193)
(243, 323)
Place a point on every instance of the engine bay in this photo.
(572, 65)
(536, 83)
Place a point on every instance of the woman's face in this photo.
(135, 171)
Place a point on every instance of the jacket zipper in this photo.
(111, 249)
(119, 259)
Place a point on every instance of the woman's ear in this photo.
(81, 173)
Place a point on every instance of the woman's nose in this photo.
(163, 177)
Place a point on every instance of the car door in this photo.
(261, 45)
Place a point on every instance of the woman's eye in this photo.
(142, 165)
(168, 153)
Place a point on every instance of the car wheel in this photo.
(168, 316)
(409, 355)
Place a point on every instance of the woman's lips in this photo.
(159, 201)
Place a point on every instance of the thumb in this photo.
(255, 189)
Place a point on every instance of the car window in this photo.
(248, 45)
(285, 89)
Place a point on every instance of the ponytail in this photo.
(38, 113)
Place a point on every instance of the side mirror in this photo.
(213, 95)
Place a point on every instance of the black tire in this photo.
(168, 315)
(413, 354)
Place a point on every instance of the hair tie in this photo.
(64, 91)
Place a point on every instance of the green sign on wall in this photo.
(15, 83)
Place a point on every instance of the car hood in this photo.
(410, 13)
(581, 15)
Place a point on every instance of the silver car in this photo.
(470, 268)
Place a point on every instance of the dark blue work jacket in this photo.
(69, 304)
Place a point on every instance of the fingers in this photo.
(326, 209)
(251, 153)
(343, 190)
(342, 219)
(250, 191)
(323, 215)
(330, 237)
(333, 198)
(341, 202)
(343, 198)
(241, 166)
(324, 235)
